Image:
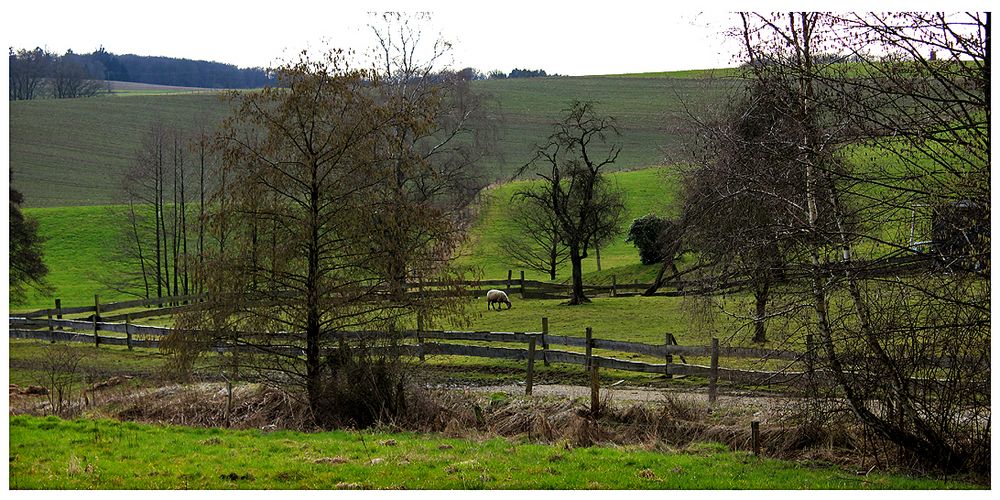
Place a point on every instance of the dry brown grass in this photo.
(671, 425)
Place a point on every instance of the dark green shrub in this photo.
(647, 234)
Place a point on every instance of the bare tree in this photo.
(535, 243)
(866, 142)
(573, 189)
(306, 169)
(70, 79)
(28, 69)
(437, 167)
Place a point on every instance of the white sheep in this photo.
(496, 297)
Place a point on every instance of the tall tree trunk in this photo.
(138, 246)
(184, 234)
(158, 215)
(175, 234)
(762, 286)
(201, 217)
(576, 260)
(597, 253)
(553, 260)
(314, 381)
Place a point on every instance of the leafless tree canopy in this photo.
(586, 207)
(321, 220)
(857, 133)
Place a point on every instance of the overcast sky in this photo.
(581, 37)
(578, 39)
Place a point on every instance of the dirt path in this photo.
(761, 405)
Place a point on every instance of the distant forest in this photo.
(39, 73)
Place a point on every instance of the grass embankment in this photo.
(49, 453)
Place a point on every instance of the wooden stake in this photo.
(509, 274)
(755, 437)
(810, 360)
(128, 331)
(52, 334)
(713, 377)
(59, 309)
(590, 346)
(97, 338)
(531, 367)
(545, 341)
(667, 358)
(420, 339)
(522, 284)
(595, 389)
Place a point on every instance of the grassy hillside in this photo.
(646, 191)
(81, 240)
(72, 151)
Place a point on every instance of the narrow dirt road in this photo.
(758, 404)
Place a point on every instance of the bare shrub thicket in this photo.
(854, 135)
(62, 374)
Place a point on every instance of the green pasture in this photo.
(79, 244)
(650, 190)
(81, 240)
(49, 453)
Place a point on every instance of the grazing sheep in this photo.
(496, 297)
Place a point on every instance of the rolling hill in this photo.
(72, 151)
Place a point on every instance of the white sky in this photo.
(581, 38)
(570, 37)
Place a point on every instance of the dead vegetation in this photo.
(675, 424)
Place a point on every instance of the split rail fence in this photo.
(533, 289)
(539, 347)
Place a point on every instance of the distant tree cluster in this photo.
(39, 73)
(517, 73)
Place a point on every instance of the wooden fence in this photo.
(539, 348)
(473, 288)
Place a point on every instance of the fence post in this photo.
(667, 358)
(713, 377)
(522, 284)
(59, 310)
(97, 307)
(614, 284)
(420, 338)
(595, 388)
(510, 273)
(128, 331)
(810, 360)
(97, 338)
(595, 400)
(755, 437)
(531, 366)
(52, 333)
(545, 341)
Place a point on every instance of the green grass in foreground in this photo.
(49, 453)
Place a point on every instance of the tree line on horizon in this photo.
(37, 73)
